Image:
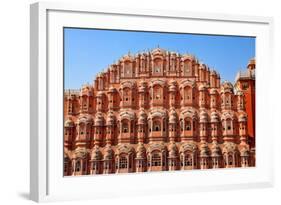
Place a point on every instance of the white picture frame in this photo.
(46, 87)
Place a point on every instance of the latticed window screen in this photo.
(156, 159)
(187, 160)
(123, 162)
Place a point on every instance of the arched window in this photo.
(230, 159)
(157, 66)
(143, 65)
(127, 69)
(78, 166)
(188, 160)
(188, 125)
(106, 165)
(126, 95)
(228, 99)
(228, 124)
(125, 127)
(173, 64)
(157, 93)
(187, 93)
(187, 68)
(156, 159)
(95, 166)
(225, 160)
(156, 125)
(215, 162)
(123, 162)
(84, 166)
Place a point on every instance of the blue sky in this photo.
(89, 51)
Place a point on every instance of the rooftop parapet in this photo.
(248, 74)
(69, 92)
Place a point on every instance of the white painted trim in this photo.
(38, 103)
(39, 160)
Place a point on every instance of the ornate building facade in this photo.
(159, 111)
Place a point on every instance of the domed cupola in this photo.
(108, 153)
(96, 153)
(142, 117)
(216, 151)
(110, 118)
(99, 120)
(203, 117)
(173, 116)
(226, 87)
(173, 150)
(214, 117)
(141, 151)
(69, 123)
(204, 150)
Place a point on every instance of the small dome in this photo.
(251, 64)
(213, 91)
(69, 123)
(125, 148)
(204, 150)
(203, 117)
(80, 153)
(244, 152)
(242, 118)
(214, 117)
(216, 151)
(173, 150)
(173, 119)
(226, 87)
(213, 72)
(141, 151)
(229, 147)
(173, 82)
(65, 156)
(112, 67)
(127, 57)
(188, 146)
(100, 94)
(142, 117)
(85, 119)
(70, 96)
(202, 87)
(108, 153)
(96, 153)
(99, 119)
(172, 88)
(239, 93)
(110, 118)
(86, 90)
(173, 116)
(158, 51)
(202, 65)
(85, 87)
(99, 75)
(142, 86)
(112, 89)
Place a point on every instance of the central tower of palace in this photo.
(158, 111)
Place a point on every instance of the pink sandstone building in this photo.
(159, 111)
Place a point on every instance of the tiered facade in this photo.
(158, 111)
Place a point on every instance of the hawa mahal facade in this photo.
(159, 111)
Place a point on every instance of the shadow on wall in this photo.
(24, 195)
